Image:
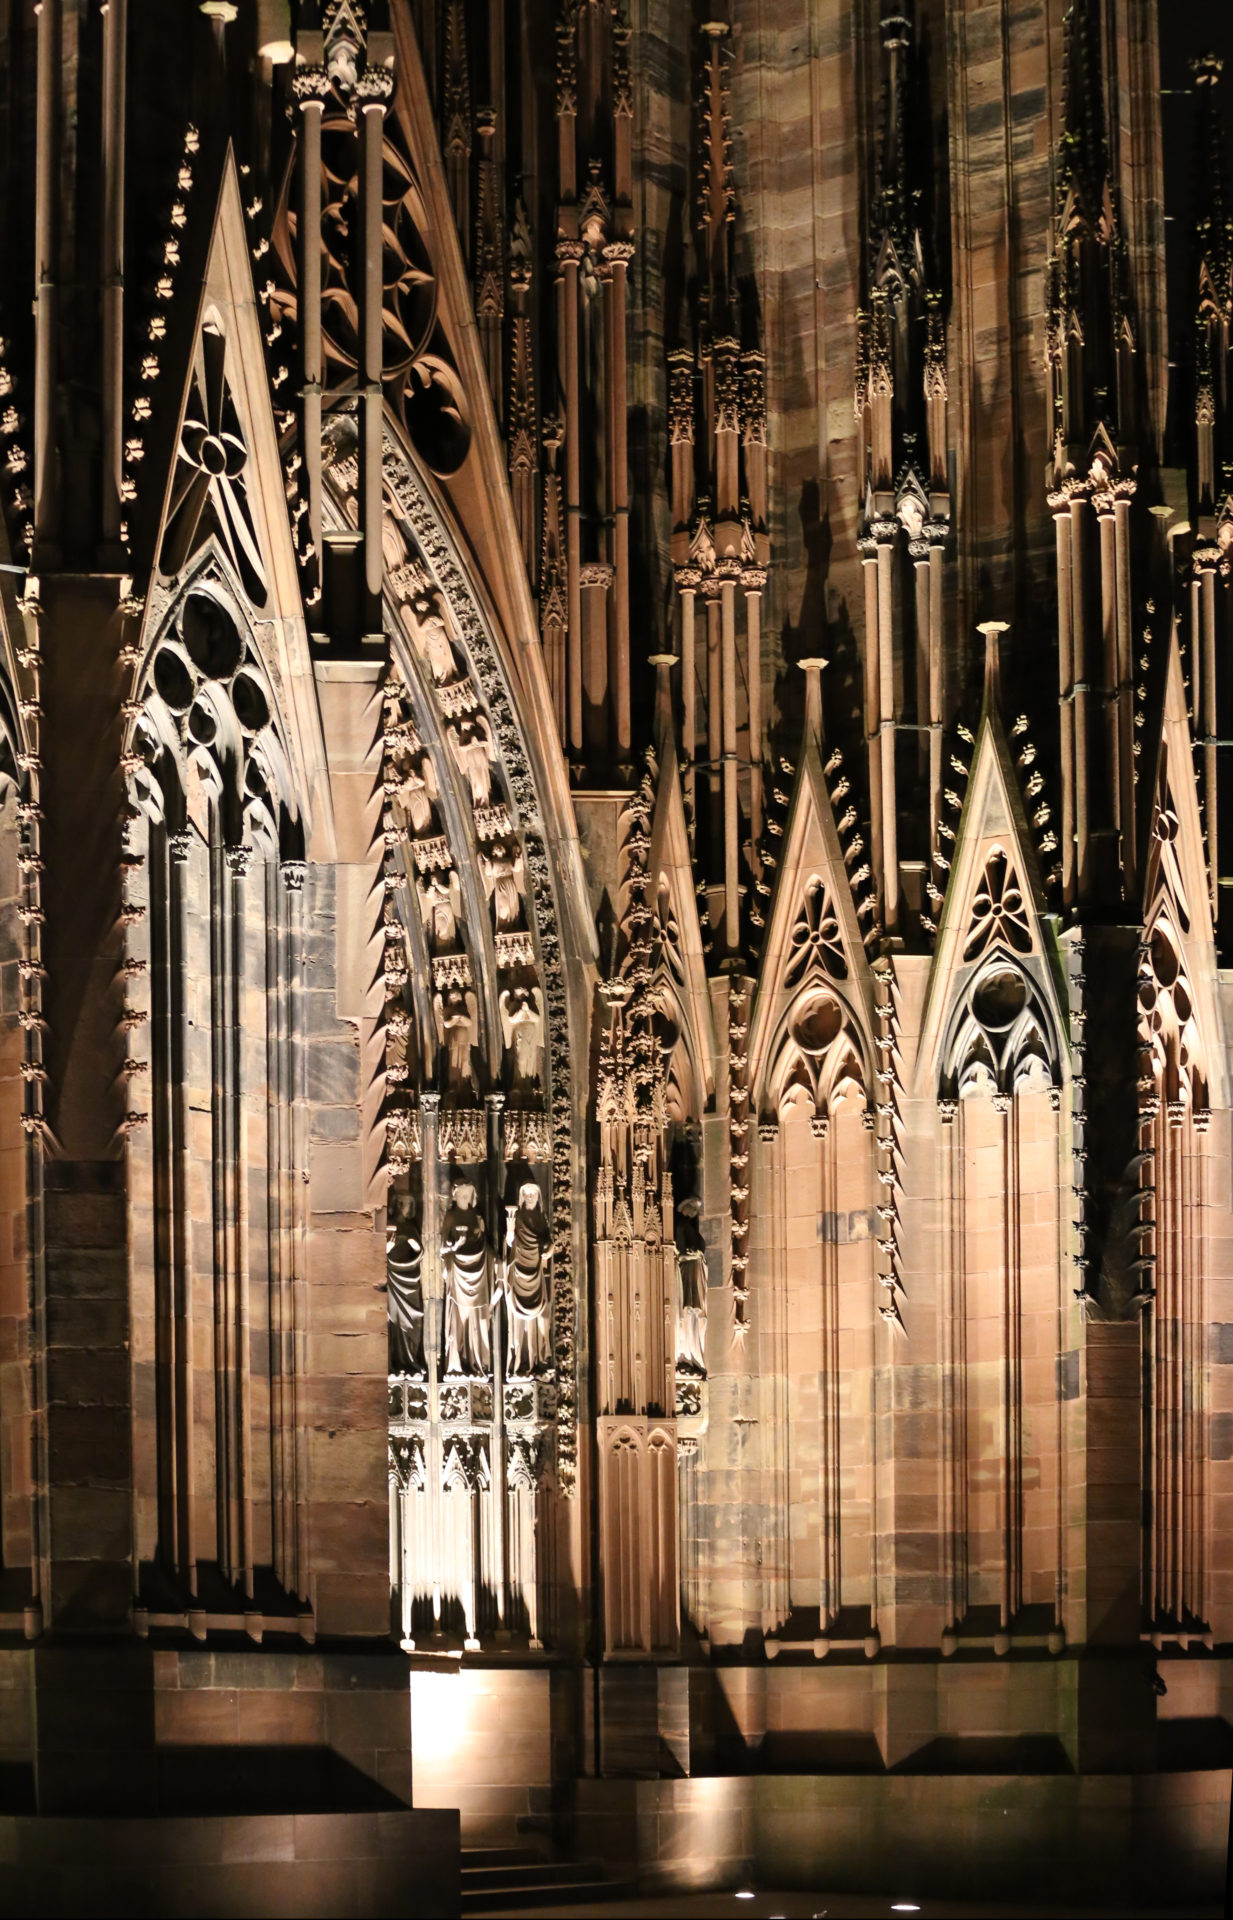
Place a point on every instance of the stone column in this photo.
(729, 574)
(311, 84)
(569, 255)
(373, 92)
(754, 579)
(869, 567)
(886, 533)
(46, 193)
(115, 61)
(1079, 663)
(1065, 674)
(1122, 495)
(617, 256)
(1206, 560)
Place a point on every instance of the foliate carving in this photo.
(727, 389)
(753, 398)
(681, 396)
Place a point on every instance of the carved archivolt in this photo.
(490, 936)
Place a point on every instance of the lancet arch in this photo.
(213, 914)
(1165, 1269)
(994, 1056)
(480, 1113)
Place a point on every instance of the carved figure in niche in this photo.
(417, 789)
(439, 905)
(522, 1029)
(430, 637)
(456, 1030)
(404, 1263)
(690, 1287)
(528, 1248)
(502, 870)
(466, 1264)
(472, 745)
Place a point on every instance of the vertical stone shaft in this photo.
(617, 256)
(937, 687)
(569, 253)
(869, 564)
(312, 110)
(714, 705)
(115, 36)
(1109, 657)
(372, 141)
(755, 581)
(689, 691)
(1125, 689)
(1211, 813)
(886, 727)
(46, 183)
(732, 916)
(1079, 655)
(1065, 690)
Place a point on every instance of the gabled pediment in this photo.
(676, 907)
(224, 522)
(1176, 883)
(813, 934)
(993, 929)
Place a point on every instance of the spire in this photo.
(1083, 151)
(715, 197)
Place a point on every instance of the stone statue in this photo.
(430, 637)
(528, 1246)
(404, 1263)
(466, 1266)
(472, 746)
(456, 1030)
(522, 1029)
(502, 870)
(439, 907)
(690, 1287)
(417, 789)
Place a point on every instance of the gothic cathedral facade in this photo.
(615, 868)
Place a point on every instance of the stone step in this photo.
(557, 1893)
(501, 1857)
(543, 1873)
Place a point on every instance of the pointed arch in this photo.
(1167, 1238)
(994, 1057)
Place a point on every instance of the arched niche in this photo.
(214, 964)
(812, 1263)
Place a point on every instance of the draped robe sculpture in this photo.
(691, 1287)
(467, 1265)
(405, 1298)
(528, 1244)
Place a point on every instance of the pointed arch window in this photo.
(1166, 1254)
(217, 834)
